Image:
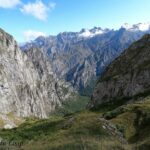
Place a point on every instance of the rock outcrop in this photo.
(127, 77)
(28, 87)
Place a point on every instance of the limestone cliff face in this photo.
(128, 77)
(28, 87)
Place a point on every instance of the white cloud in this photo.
(9, 3)
(38, 9)
(31, 35)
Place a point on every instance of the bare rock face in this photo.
(28, 87)
(128, 77)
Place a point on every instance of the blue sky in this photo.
(26, 19)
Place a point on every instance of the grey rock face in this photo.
(28, 86)
(127, 77)
(81, 57)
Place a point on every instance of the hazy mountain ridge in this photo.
(79, 59)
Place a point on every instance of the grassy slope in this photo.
(133, 120)
(68, 128)
(77, 132)
(73, 129)
(72, 106)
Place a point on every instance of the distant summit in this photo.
(92, 32)
(137, 27)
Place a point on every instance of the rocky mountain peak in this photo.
(88, 33)
(7, 40)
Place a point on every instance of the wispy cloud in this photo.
(32, 34)
(38, 9)
(9, 3)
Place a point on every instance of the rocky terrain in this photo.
(122, 93)
(119, 114)
(127, 78)
(81, 57)
(28, 86)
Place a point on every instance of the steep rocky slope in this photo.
(28, 87)
(127, 78)
(80, 57)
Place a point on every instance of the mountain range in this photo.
(117, 117)
(81, 57)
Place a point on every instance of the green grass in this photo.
(81, 131)
(75, 128)
(134, 121)
(72, 106)
(1, 123)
